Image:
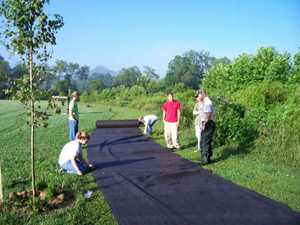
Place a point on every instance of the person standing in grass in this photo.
(148, 121)
(70, 159)
(171, 117)
(208, 127)
(73, 115)
(198, 112)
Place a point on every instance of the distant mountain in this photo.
(104, 70)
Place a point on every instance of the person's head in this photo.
(76, 95)
(82, 137)
(200, 95)
(170, 96)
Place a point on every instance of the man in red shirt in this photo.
(171, 117)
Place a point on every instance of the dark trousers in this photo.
(206, 140)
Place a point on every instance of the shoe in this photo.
(170, 147)
(177, 146)
(205, 162)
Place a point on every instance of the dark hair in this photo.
(200, 91)
(169, 92)
(82, 135)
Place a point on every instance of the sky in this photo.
(123, 33)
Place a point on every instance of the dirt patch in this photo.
(45, 202)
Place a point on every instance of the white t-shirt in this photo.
(148, 118)
(70, 151)
(208, 107)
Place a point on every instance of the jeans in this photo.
(69, 168)
(149, 126)
(73, 129)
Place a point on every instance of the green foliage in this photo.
(182, 69)
(136, 91)
(264, 86)
(127, 77)
(106, 79)
(95, 85)
(4, 72)
(190, 67)
(66, 73)
(295, 75)
(266, 65)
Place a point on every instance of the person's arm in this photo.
(207, 114)
(86, 161)
(73, 161)
(74, 116)
(196, 110)
(178, 113)
(71, 110)
(178, 117)
(164, 115)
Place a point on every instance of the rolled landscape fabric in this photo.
(117, 123)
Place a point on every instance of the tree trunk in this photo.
(1, 189)
(32, 126)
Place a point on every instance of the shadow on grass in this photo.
(230, 151)
(189, 145)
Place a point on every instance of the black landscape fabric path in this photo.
(145, 184)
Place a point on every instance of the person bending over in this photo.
(148, 121)
(70, 158)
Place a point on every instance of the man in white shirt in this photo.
(148, 121)
(208, 127)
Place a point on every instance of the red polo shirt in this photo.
(171, 109)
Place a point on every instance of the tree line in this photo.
(188, 68)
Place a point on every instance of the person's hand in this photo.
(177, 124)
(79, 173)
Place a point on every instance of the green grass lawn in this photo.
(247, 169)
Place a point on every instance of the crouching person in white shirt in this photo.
(148, 121)
(70, 158)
